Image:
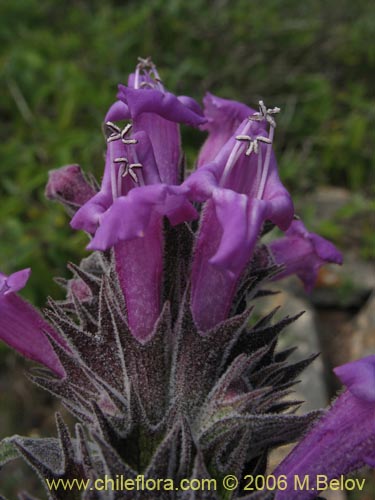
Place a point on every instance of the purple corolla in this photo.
(303, 253)
(140, 187)
(22, 327)
(242, 189)
(223, 118)
(342, 441)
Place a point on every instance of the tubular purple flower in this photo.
(343, 440)
(303, 253)
(139, 188)
(22, 327)
(244, 190)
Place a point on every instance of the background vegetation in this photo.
(60, 63)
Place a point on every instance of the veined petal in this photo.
(158, 114)
(166, 143)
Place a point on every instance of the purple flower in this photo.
(22, 327)
(140, 187)
(243, 190)
(343, 440)
(303, 253)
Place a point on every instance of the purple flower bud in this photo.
(68, 184)
(22, 327)
(303, 253)
(343, 440)
(78, 289)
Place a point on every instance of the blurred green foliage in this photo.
(60, 63)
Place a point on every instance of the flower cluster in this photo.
(162, 303)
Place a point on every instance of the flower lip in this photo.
(303, 253)
(165, 104)
(359, 377)
(14, 282)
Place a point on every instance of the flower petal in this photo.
(241, 220)
(166, 143)
(139, 265)
(161, 103)
(22, 327)
(129, 216)
(359, 377)
(88, 216)
(303, 253)
(342, 441)
(224, 116)
(14, 282)
(212, 287)
(117, 112)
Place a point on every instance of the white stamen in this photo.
(265, 114)
(266, 166)
(148, 69)
(253, 143)
(113, 174)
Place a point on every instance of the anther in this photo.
(116, 133)
(125, 131)
(253, 143)
(145, 62)
(265, 114)
(113, 130)
(128, 170)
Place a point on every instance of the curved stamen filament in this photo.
(259, 170)
(113, 173)
(266, 165)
